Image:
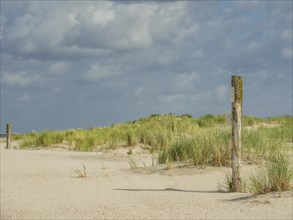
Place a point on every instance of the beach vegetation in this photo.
(200, 141)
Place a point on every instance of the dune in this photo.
(45, 184)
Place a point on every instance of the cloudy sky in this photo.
(80, 64)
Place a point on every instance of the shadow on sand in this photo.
(244, 197)
(169, 189)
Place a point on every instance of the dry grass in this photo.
(81, 173)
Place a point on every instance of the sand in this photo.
(42, 184)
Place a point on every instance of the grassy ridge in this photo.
(204, 140)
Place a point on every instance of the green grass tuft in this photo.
(275, 176)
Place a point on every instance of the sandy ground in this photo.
(42, 184)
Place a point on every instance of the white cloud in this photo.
(111, 26)
(57, 68)
(23, 24)
(186, 81)
(2, 26)
(25, 98)
(76, 52)
(98, 73)
(21, 79)
(130, 26)
(287, 53)
(95, 29)
(187, 32)
(287, 34)
(101, 15)
(39, 30)
(254, 46)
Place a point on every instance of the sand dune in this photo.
(42, 184)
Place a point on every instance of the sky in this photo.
(83, 64)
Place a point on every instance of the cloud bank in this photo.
(83, 64)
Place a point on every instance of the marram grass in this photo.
(201, 141)
(275, 176)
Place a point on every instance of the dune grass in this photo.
(206, 146)
(275, 176)
(280, 173)
(201, 141)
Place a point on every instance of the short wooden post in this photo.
(237, 98)
(8, 136)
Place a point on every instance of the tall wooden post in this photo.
(8, 136)
(237, 98)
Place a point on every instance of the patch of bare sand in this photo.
(42, 184)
